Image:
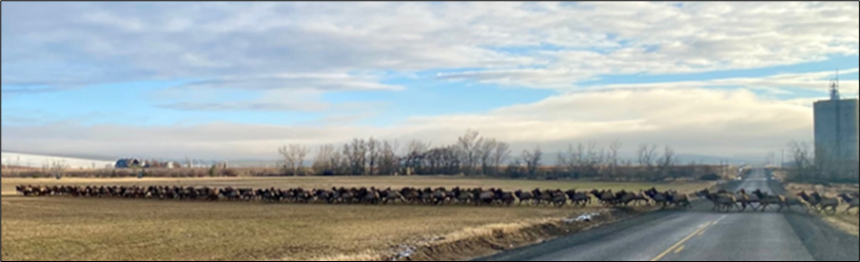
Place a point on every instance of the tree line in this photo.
(473, 155)
(818, 166)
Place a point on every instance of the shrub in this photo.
(710, 177)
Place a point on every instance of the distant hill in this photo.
(38, 161)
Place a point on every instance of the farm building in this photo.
(129, 163)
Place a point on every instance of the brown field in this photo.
(847, 222)
(59, 228)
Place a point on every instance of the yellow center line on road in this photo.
(674, 247)
(721, 219)
(679, 250)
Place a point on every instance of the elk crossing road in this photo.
(704, 235)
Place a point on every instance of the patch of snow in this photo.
(403, 252)
(582, 218)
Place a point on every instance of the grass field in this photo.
(58, 228)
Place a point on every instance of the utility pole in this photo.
(782, 159)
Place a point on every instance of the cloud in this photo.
(224, 42)
(244, 106)
(817, 81)
(322, 82)
(694, 120)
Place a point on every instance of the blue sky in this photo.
(81, 76)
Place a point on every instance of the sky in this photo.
(238, 80)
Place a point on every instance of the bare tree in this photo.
(487, 148)
(666, 162)
(356, 156)
(293, 158)
(801, 161)
(339, 164)
(532, 161)
(389, 162)
(501, 154)
(57, 167)
(613, 158)
(573, 161)
(647, 158)
(468, 148)
(322, 162)
(415, 156)
(592, 160)
(373, 151)
(647, 155)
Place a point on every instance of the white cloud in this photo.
(214, 41)
(291, 53)
(780, 83)
(693, 120)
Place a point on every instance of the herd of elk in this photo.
(374, 196)
(726, 201)
(722, 200)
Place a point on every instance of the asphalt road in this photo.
(703, 235)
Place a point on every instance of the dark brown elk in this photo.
(392, 196)
(785, 201)
(824, 202)
(720, 200)
(504, 198)
(852, 202)
(523, 196)
(487, 197)
(578, 198)
(410, 194)
(544, 198)
(748, 200)
(766, 200)
(463, 196)
(605, 198)
(440, 196)
(559, 198)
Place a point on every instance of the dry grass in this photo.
(59, 228)
(101, 229)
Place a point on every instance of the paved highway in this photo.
(703, 235)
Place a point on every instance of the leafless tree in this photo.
(468, 144)
(57, 167)
(613, 158)
(666, 162)
(647, 155)
(415, 156)
(572, 161)
(501, 154)
(356, 156)
(322, 162)
(487, 149)
(373, 151)
(389, 163)
(593, 160)
(801, 161)
(532, 161)
(293, 158)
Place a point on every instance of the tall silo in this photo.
(836, 133)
